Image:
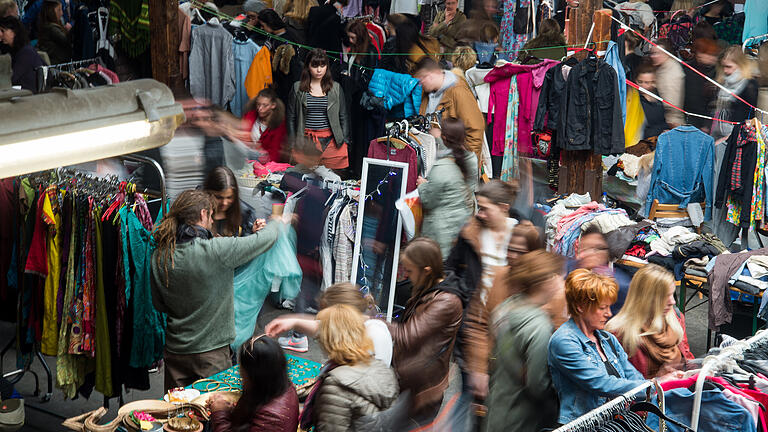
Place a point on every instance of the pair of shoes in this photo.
(300, 344)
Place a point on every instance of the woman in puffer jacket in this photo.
(353, 383)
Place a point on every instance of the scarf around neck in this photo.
(735, 84)
(662, 349)
(186, 233)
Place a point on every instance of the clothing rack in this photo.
(75, 64)
(717, 363)
(604, 412)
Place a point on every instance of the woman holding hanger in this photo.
(316, 109)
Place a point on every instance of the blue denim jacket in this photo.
(717, 412)
(683, 169)
(579, 374)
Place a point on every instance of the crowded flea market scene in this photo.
(383, 215)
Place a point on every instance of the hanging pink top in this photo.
(529, 81)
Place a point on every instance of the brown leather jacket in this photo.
(423, 344)
(478, 337)
(279, 415)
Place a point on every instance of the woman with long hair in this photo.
(425, 336)
(264, 122)
(53, 37)
(269, 401)
(447, 192)
(406, 38)
(735, 73)
(295, 13)
(233, 217)
(192, 280)
(550, 36)
(359, 50)
(317, 109)
(353, 384)
(649, 327)
(522, 396)
(24, 58)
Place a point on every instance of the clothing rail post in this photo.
(153, 163)
(607, 407)
(713, 364)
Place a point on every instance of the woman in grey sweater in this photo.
(447, 194)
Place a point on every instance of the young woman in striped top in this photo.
(316, 109)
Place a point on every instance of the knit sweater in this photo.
(199, 296)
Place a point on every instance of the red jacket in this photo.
(271, 139)
(279, 415)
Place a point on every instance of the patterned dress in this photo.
(511, 41)
(510, 163)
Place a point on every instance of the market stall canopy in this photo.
(66, 127)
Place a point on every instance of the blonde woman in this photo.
(649, 327)
(345, 293)
(353, 384)
(735, 72)
(296, 13)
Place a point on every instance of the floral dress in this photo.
(511, 41)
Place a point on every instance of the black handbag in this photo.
(523, 21)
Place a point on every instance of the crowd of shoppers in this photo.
(538, 339)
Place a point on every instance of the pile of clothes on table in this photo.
(747, 271)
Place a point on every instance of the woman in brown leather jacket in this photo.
(269, 401)
(423, 340)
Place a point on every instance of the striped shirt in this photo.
(317, 112)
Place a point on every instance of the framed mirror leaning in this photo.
(379, 231)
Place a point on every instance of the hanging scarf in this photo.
(662, 349)
(130, 19)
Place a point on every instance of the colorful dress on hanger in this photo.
(510, 163)
(748, 133)
(511, 41)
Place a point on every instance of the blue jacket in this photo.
(396, 89)
(717, 412)
(683, 169)
(613, 58)
(579, 374)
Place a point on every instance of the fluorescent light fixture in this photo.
(73, 126)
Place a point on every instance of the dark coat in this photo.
(54, 40)
(590, 111)
(551, 97)
(324, 28)
(23, 65)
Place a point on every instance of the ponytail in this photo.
(454, 134)
(184, 210)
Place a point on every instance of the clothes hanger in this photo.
(653, 409)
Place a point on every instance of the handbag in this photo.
(523, 20)
(543, 143)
